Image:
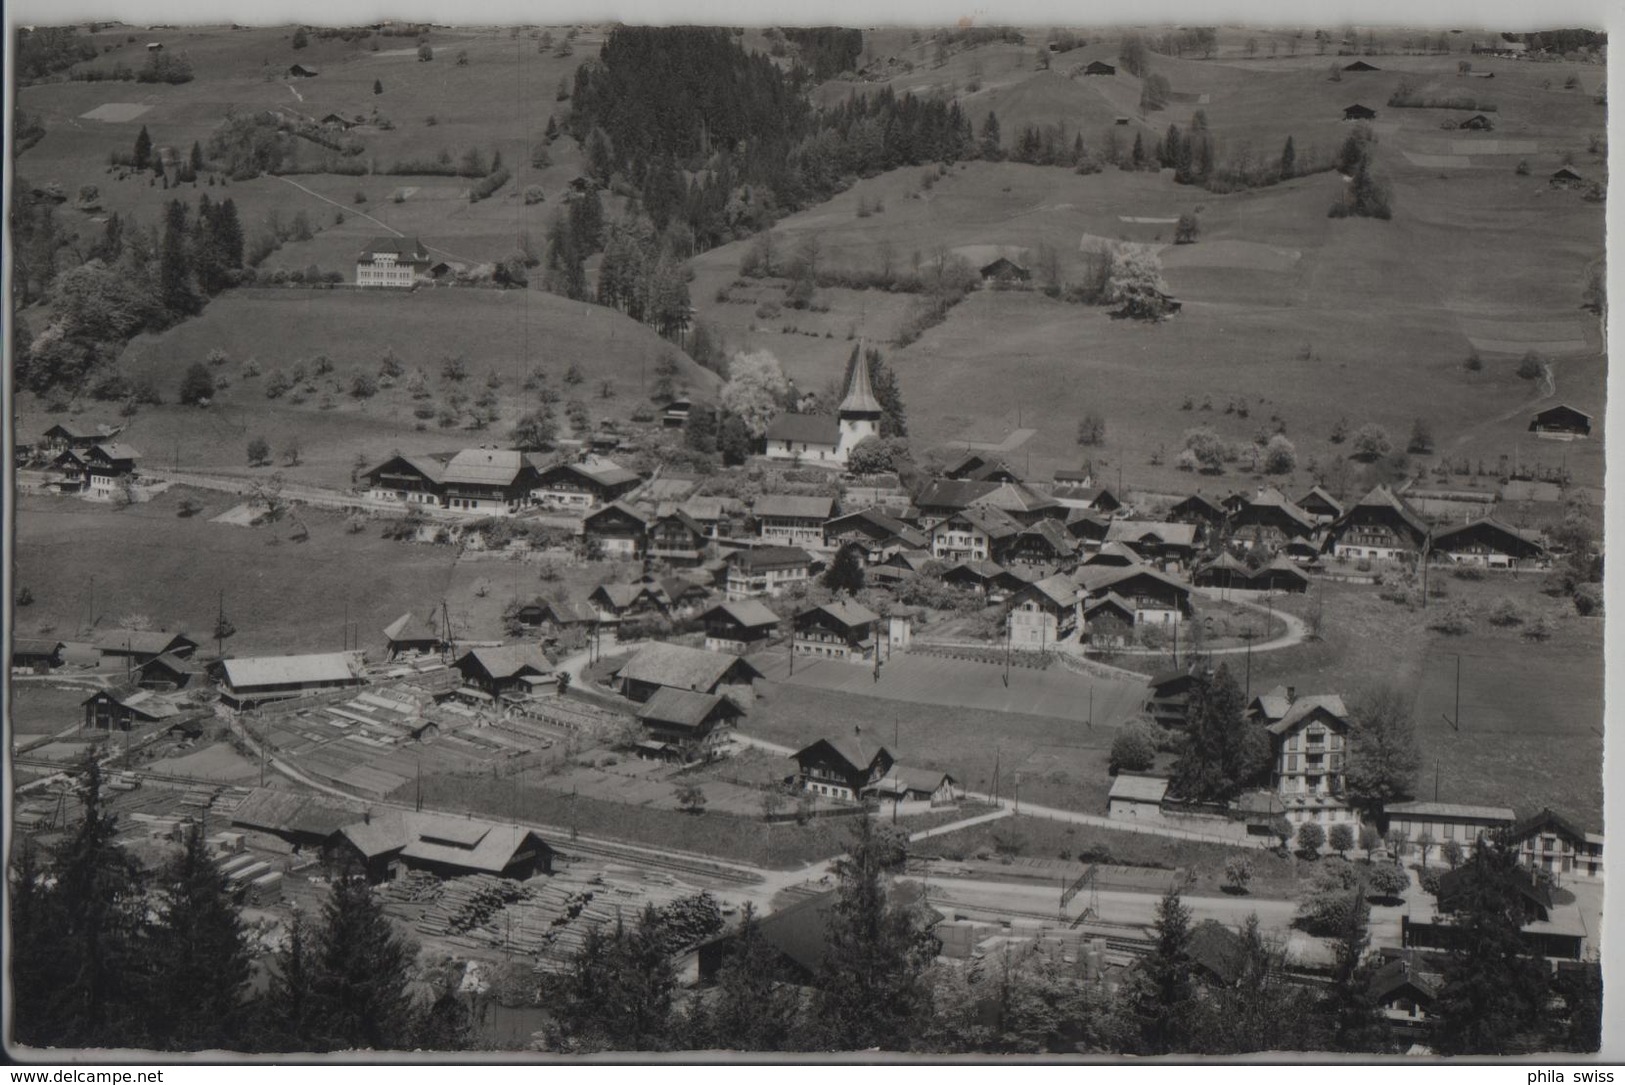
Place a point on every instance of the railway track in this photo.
(641, 859)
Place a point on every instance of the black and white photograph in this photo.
(546, 540)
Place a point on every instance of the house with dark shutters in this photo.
(975, 533)
(1552, 844)
(1321, 506)
(414, 634)
(617, 531)
(582, 484)
(1309, 737)
(676, 538)
(878, 534)
(1168, 696)
(738, 626)
(1270, 518)
(1488, 543)
(1379, 526)
(843, 630)
(985, 578)
(616, 602)
(841, 768)
(415, 480)
(682, 725)
(766, 570)
(400, 262)
(1044, 613)
(1156, 597)
(1046, 544)
(792, 520)
(512, 668)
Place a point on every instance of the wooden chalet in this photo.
(766, 570)
(302, 71)
(1225, 571)
(556, 617)
(906, 784)
(582, 484)
(1005, 272)
(1550, 843)
(80, 435)
(942, 498)
(682, 725)
(36, 656)
(843, 630)
(415, 480)
(1561, 421)
(792, 520)
(676, 413)
(616, 530)
(1197, 509)
(1380, 525)
(1489, 543)
(1115, 555)
(169, 671)
(878, 534)
(1320, 505)
(122, 710)
(683, 595)
(1565, 178)
(1108, 620)
(1361, 66)
(1099, 67)
(1160, 543)
(975, 467)
(1168, 696)
(1280, 575)
(1044, 613)
(615, 602)
(1406, 990)
(841, 768)
(412, 634)
(1046, 543)
(1157, 598)
(676, 538)
(660, 665)
(738, 626)
(140, 645)
(1087, 527)
(985, 578)
(516, 669)
(1270, 518)
(1478, 122)
(1359, 112)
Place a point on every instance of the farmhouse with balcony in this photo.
(1197, 509)
(1168, 696)
(985, 578)
(842, 630)
(393, 261)
(976, 533)
(259, 680)
(766, 570)
(492, 481)
(169, 672)
(1271, 519)
(582, 484)
(616, 602)
(838, 768)
(676, 538)
(1550, 843)
(1561, 422)
(616, 530)
(1114, 555)
(1156, 597)
(1321, 506)
(1379, 526)
(1158, 543)
(681, 725)
(662, 665)
(1043, 613)
(876, 533)
(1045, 544)
(1005, 272)
(79, 435)
(415, 480)
(1488, 542)
(684, 595)
(1087, 527)
(511, 668)
(792, 520)
(556, 617)
(1405, 990)
(738, 626)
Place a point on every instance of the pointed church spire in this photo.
(860, 395)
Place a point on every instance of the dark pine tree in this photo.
(200, 955)
(845, 573)
(1289, 159)
(378, 86)
(754, 1008)
(177, 295)
(143, 149)
(360, 970)
(734, 440)
(1223, 752)
(1161, 997)
(701, 433)
(618, 994)
(195, 160)
(1353, 1021)
(992, 150)
(290, 1003)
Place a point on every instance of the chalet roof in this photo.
(1094, 578)
(1381, 497)
(142, 702)
(1447, 810)
(289, 811)
(407, 248)
(800, 932)
(703, 509)
(1053, 533)
(1199, 504)
(1562, 410)
(1397, 975)
(427, 466)
(975, 570)
(484, 466)
(912, 560)
(1113, 555)
(1128, 785)
(1304, 707)
(1322, 495)
(169, 661)
(603, 473)
(618, 595)
(1270, 497)
(140, 641)
(82, 431)
(569, 611)
(1168, 534)
(115, 451)
(792, 506)
(846, 612)
(411, 627)
(860, 395)
(750, 613)
(1284, 566)
(901, 778)
(1217, 949)
(662, 664)
(383, 835)
(850, 750)
(993, 522)
(1110, 600)
(471, 844)
(683, 707)
(1273, 704)
(1548, 820)
(1445, 536)
(31, 647)
(810, 429)
(1060, 590)
(1226, 560)
(874, 517)
(508, 660)
(769, 557)
(682, 518)
(259, 671)
(611, 509)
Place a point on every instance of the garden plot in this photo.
(1437, 161)
(1494, 146)
(1144, 219)
(1517, 337)
(115, 112)
(216, 762)
(1236, 255)
(248, 514)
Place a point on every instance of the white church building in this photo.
(821, 438)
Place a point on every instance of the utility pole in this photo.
(995, 776)
(1091, 708)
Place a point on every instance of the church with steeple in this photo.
(821, 438)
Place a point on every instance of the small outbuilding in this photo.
(1100, 67)
(1134, 796)
(1359, 112)
(1361, 66)
(1478, 123)
(1561, 422)
(302, 71)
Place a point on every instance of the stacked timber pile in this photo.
(467, 903)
